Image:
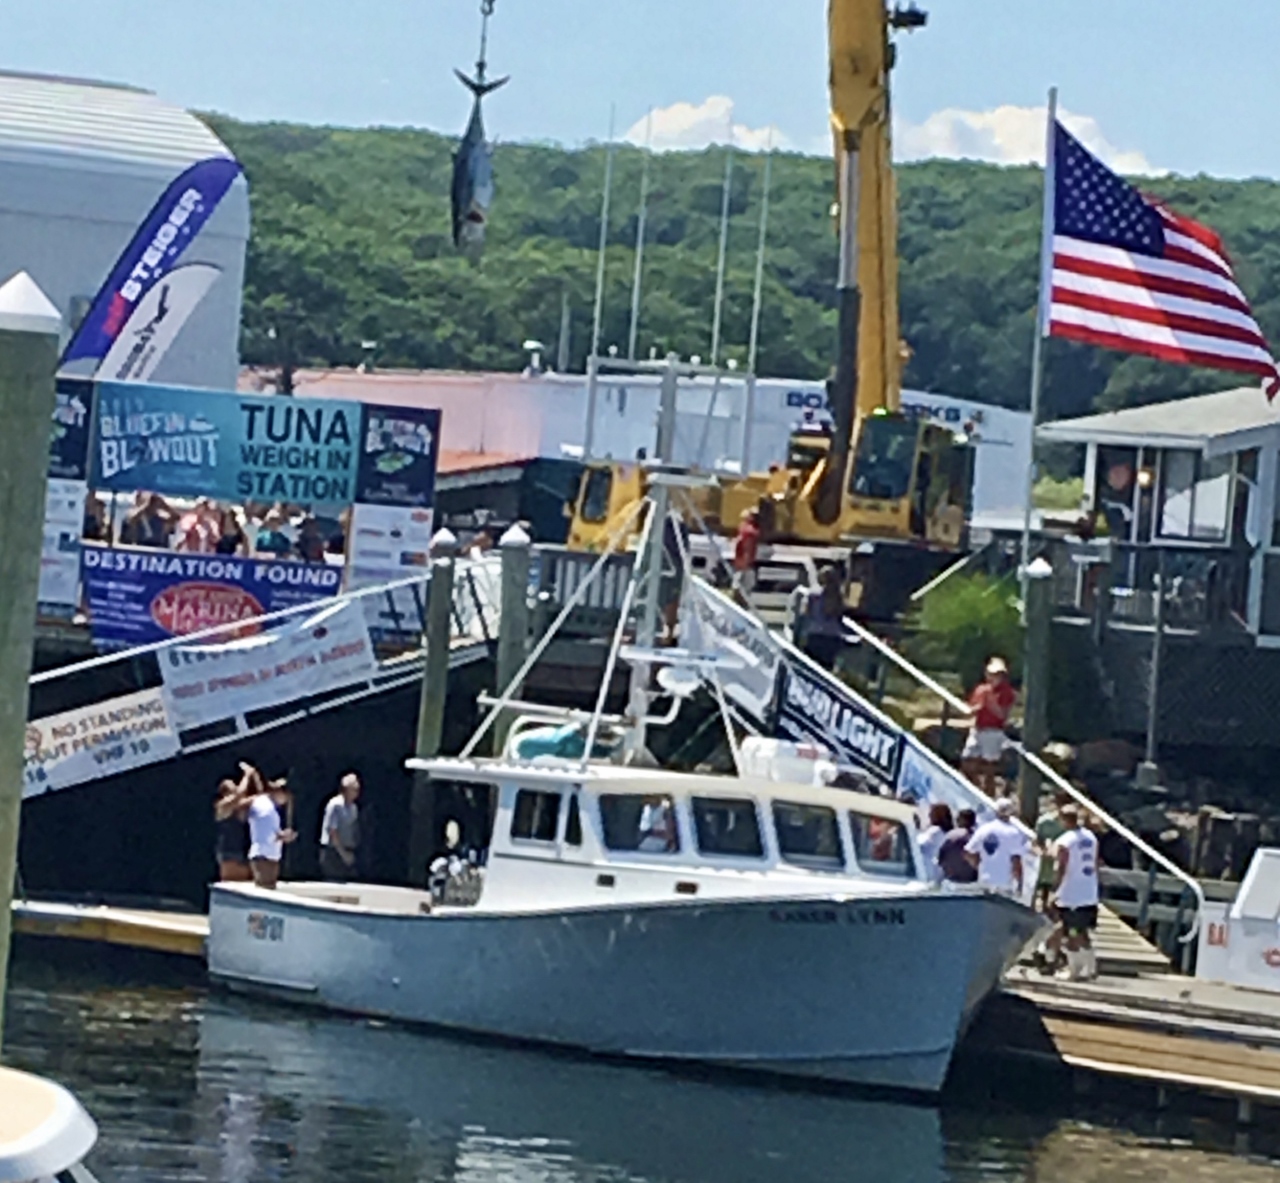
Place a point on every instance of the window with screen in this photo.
(644, 823)
(882, 846)
(536, 816)
(727, 826)
(808, 835)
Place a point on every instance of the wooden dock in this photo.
(181, 934)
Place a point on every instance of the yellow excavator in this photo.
(885, 493)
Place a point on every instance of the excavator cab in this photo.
(607, 492)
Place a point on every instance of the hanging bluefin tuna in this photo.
(473, 161)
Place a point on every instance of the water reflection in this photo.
(187, 1087)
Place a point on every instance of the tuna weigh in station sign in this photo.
(232, 447)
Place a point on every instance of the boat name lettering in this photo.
(862, 917)
(263, 927)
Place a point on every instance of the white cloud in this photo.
(1007, 135)
(689, 125)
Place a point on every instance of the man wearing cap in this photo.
(992, 702)
(998, 849)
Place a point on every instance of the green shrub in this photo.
(1054, 494)
(966, 620)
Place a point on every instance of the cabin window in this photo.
(808, 835)
(536, 816)
(881, 845)
(573, 824)
(638, 822)
(727, 827)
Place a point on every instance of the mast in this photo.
(593, 358)
(641, 226)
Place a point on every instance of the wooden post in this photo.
(435, 690)
(29, 327)
(513, 626)
(1038, 618)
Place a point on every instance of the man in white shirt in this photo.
(340, 831)
(1075, 892)
(998, 849)
(267, 834)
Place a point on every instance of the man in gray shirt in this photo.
(340, 832)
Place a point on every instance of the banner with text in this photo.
(398, 452)
(304, 656)
(137, 596)
(59, 594)
(72, 419)
(712, 624)
(235, 447)
(96, 741)
(816, 709)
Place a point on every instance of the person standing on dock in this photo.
(992, 702)
(268, 834)
(231, 827)
(340, 832)
(952, 860)
(1075, 893)
(998, 849)
(746, 549)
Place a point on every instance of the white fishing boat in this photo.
(764, 920)
(735, 922)
(44, 1132)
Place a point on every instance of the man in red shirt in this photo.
(992, 701)
(745, 547)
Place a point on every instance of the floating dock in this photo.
(181, 934)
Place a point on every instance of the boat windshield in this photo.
(642, 823)
(882, 846)
(808, 835)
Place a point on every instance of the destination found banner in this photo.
(97, 741)
(234, 447)
(398, 452)
(816, 709)
(137, 596)
(304, 656)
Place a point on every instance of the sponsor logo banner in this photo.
(713, 624)
(156, 323)
(72, 418)
(815, 709)
(387, 542)
(931, 781)
(97, 741)
(235, 447)
(304, 656)
(59, 594)
(174, 221)
(398, 450)
(137, 596)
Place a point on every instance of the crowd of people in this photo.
(253, 822)
(209, 527)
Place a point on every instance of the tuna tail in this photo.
(478, 88)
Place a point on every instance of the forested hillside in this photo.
(351, 243)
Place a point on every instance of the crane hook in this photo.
(486, 11)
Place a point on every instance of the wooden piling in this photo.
(29, 327)
(1038, 617)
(513, 627)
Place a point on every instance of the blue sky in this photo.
(1182, 85)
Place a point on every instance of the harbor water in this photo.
(188, 1085)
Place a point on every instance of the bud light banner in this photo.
(137, 596)
(170, 227)
(234, 447)
(817, 708)
(398, 451)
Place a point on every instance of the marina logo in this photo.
(191, 607)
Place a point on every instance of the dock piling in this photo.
(435, 686)
(29, 328)
(513, 636)
(1038, 616)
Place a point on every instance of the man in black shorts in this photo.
(1075, 893)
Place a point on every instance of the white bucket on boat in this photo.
(783, 760)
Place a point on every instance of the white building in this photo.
(513, 417)
(81, 165)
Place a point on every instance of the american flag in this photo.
(1129, 273)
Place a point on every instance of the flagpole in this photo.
(593, 363)
(1042, 326)
(638, 278)
(753, 346)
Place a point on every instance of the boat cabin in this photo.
(565, 836)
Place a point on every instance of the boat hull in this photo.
(870, 991)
